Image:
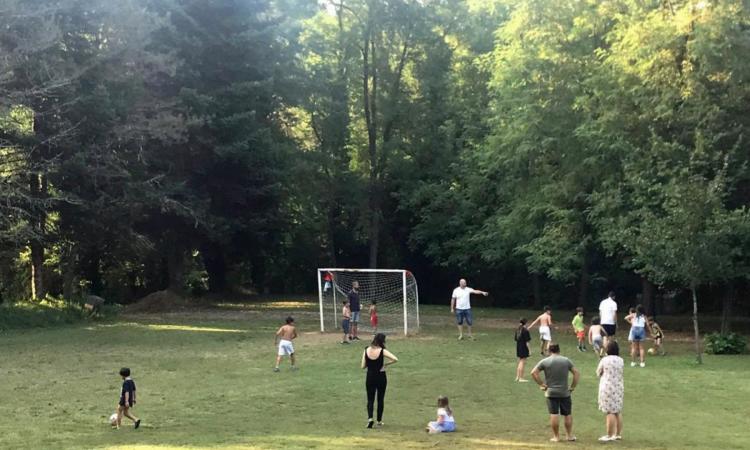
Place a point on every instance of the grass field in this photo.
(205, 381)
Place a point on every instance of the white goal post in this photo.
(394, 292)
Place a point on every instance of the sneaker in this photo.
(580, 349)
(345, 342)
(554, 439)
(643, 364)
(472, 338)
(606, 438)
(460, 337)
(522, 380)
(137, 424)
(380, 424)
(618, 438)
(632, 364)
(355, 338)
(370, 423)
(275, 369)
(572, 439)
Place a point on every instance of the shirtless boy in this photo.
(287, 333)
(545, 334)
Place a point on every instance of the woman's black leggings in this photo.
(376, 383)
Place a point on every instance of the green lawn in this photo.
(205, 381)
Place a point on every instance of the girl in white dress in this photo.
(611, 391)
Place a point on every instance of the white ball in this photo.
(651, 351)
(113, 419)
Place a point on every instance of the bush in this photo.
(44, 313)
(725, 344)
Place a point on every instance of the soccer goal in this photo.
(394, 291)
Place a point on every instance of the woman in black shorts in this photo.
(522, 338)
(373, 359)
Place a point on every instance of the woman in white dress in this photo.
(611, 391)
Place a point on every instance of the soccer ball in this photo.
(113, 419)
(651, 351)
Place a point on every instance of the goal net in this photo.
(394, 292)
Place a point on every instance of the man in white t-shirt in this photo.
(461, 305)
(608, 316)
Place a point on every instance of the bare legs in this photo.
(554, 421)
(124, 411)
(614, 425)
(519, 369)
(637, 350)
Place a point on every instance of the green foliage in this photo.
(725, 344)
(44, 313)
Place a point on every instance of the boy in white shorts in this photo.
(545, 334)
(287, 333)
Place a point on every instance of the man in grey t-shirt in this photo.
(555, 387)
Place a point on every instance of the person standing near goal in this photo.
(461, 306)
(355, 307)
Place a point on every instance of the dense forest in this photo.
(547, 150)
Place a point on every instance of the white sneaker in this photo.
(643, 364)
(606, 438)
(632, 364)
(618, 438)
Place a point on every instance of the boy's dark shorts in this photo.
(560, 405)
(345, 325)
(610, 329)
(122, 403)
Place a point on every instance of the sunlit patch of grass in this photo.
(170, 327)
(264, 306)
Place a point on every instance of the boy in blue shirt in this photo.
(127, 399)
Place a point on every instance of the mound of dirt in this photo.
(157, 302)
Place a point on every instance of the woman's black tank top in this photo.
(374, 365)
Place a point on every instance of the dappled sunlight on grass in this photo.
(297, 441)
(501, 443)
(167, 327)
(282, 304)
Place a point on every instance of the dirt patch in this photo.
(159, 302)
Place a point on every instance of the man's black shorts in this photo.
(560, 405)
(610, 329)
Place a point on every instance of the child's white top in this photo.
(446, 417)
(639, 321)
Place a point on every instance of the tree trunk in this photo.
(536, 282)
(583, 292)
(176, 270)
(67, 268)
(38, 190)
(647, 293)
(332, 235)
(726, 308)
(216, 267)
(37, 270)
(698, 355)
(374, 236)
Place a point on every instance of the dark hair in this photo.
(640, 310)
(443, 403)
(521, 324)
(554, 348)
(631, 310)
(547, 308)
(345, 301)
(289, 319)
(378, 340)
(374, 302)
(611, 294)
(596, 320)
(612, 348)
(579, 309)
(125, 372)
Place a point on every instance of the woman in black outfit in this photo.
(522, 338)
(373, 359)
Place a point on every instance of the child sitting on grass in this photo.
(445, 422)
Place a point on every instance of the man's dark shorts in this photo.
(462, 314)
(560, 405)
(610, 329)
